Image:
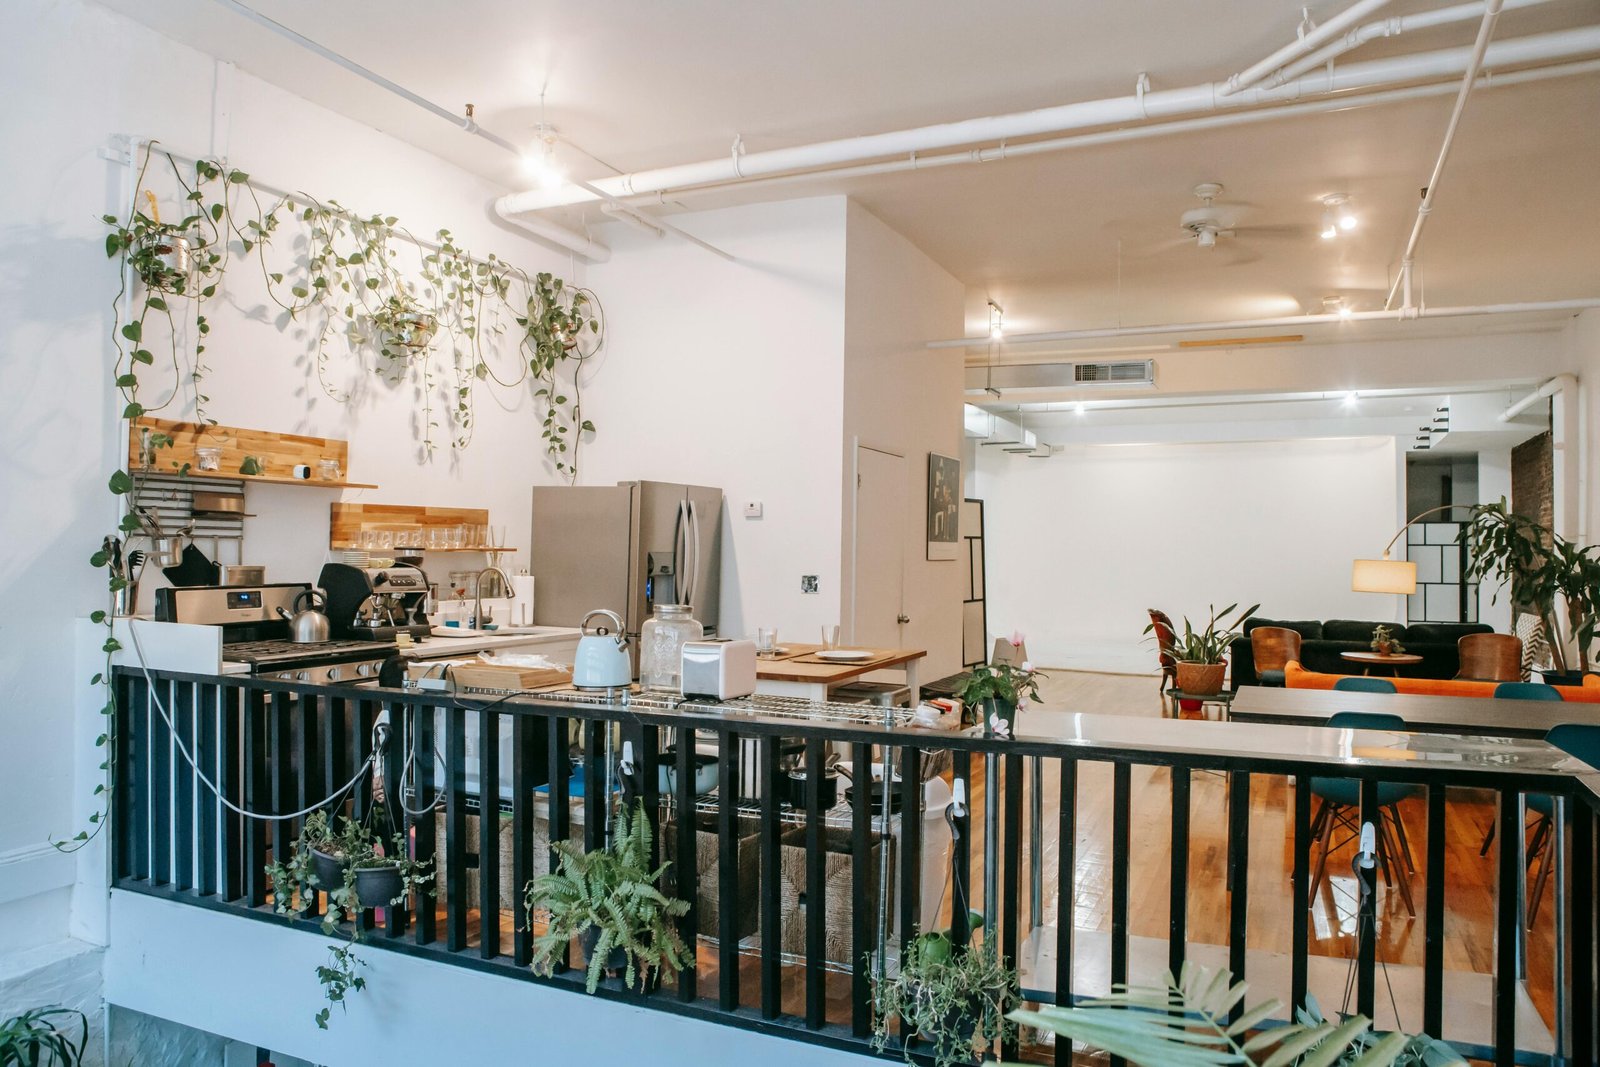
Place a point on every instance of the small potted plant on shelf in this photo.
(358, 869)
(954, 1000)
(998, 691)
(608, 899)
(1202, 655)
(1384, 643)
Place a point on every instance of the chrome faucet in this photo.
(477, 620)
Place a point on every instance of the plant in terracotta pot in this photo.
(1384, 642)
(608, 899)
(358, 869)
(949, 1002)
(1000, 689)
(1202, 655)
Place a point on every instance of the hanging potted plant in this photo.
(999, 690)
(608, 900)
(403, 323)
(358, 870)
(953, 1000)
(1202, 655)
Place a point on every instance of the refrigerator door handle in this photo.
(691, 555)
(679, 548)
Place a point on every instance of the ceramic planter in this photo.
(1201, 679)
(1005, 709)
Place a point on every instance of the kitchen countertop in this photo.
(440, 647)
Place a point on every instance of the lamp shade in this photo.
(1383, 576)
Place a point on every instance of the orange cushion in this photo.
(1297, 677)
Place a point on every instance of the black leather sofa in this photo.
(1322, 642)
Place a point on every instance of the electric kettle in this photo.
(602, 661)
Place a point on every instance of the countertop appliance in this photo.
(635, 544)
(254, 635)
(375, 605)
(720, 670)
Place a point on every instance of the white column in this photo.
(1494, 482)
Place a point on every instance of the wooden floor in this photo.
(1469, 928)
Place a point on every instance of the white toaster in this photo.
(720, 670)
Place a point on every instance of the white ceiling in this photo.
(645, 84)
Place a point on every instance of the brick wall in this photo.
(1532, 480)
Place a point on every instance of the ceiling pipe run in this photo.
(1548, 389)
(1284, 320)
(1372, 74)
(1299, 47)
(1491, 15)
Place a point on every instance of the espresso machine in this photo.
(375, 605)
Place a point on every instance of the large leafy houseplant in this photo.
(1546, 573)
(35, 1039)
(1202, 655)
(357, 868)
(1185, 1024)
(955, 1000)
(609, 900)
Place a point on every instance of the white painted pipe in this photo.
(1004, 128)
(1282, 320)
(1480, 47)
(1393, 26)
(1299, 47)
(1134, 133)
(623, 215)
(555, 233)
(1548, 389)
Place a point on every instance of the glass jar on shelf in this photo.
(661, 647)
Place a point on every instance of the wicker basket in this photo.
(838, 879)
(508, 891)
(708, 893)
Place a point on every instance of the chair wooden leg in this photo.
(1402, 877)
(1405, 843)
(1540, 849)
(1324, 817)
(1488, 839)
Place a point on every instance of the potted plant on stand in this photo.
(358, 869)
(954, 1000)
(999, 690)
(1202, 655)
(1384, 643)
(608, 900)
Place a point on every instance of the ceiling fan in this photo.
(1206, 224)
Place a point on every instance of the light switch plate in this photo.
(752, 510)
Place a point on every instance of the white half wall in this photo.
(1081, 544)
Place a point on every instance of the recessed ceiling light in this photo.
(1338, 215)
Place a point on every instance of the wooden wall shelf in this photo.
(279, 453)
(347, 521)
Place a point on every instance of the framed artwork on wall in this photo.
(944, 507)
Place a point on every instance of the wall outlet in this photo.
(808, 583)
(752, 510)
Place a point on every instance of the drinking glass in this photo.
(458, 537)
(766, 642)
(830, 636)
(208, 459)
(369, 538)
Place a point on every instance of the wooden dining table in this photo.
(1423, 713)
(796, 671)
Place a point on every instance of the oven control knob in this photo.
(364, 669)
(285, 676)
(303, 676)
(333, 674)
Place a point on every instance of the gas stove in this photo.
(322, 662)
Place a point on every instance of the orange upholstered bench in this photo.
(1297, 677)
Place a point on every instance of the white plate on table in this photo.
(845, 655)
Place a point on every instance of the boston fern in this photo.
(1186, 1025)
(612, 891)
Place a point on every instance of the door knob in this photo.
(902, 619)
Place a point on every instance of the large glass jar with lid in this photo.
(661, 647)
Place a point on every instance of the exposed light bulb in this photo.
(1330, 230)
(996, 331)
(1345, 311)
(1206, 237)
(1079, 408)
(1347, 220)
(1352, 399)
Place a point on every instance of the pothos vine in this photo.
(344, 278)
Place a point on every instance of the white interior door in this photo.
(881, 532)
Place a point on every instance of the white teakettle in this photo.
(602, 661)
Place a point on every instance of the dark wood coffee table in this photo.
(1392, 660)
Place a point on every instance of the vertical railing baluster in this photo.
(523, 773)
(209, 756)
(1300, 894)
(688, 870)
(488, 833)
(281, 773)
(425, 827)
(364, 797)
(1508, 919)
(143, 753)
(961, 861)
(816, 908)
(330, 738)
(910, 790)
(1433, 918)
(455, 828)
(161, 787)
(647, 761)
(1066, 884)
(560, 807)
(120, 763)
(1239, 862)
(1581, 961)
(397, 918)
(771, 916)
(302, 734)
(257, 797)
(863, 883)
(1367, 914)
(183, 787)
(728, 887)
(1011, 895)
(1178, 886)
(595, 801)
(230, 740)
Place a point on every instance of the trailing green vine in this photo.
(344, 276)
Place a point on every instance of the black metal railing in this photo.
(796, 931)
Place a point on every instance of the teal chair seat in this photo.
(1527, 691)
(1347, 791)
(1366, 685)
(1340, 798)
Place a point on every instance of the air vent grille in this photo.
(1127, 370)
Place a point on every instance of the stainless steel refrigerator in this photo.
(627, 548)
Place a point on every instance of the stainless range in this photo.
(255, 635)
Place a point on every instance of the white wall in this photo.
(902, 398)
(1494, 485)
(1585, 340)
(95, 75)
(729, 374)
(1079, 545)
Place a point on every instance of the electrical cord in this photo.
(1364, 893)
(366, 766)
